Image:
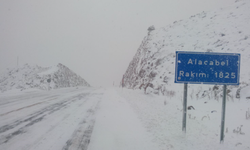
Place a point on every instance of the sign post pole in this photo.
(207, 68)
(223, 114)
(184, 117)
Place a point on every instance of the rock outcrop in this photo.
(224, 30)
(44, 78)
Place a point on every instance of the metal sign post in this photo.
(184, 117)
(207, 68)
(223, 114)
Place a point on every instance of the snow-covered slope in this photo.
(223, 30)
(44, 78)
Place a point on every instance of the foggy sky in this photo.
(96, 39)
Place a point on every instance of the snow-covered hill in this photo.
(223, 30)
(44, 78)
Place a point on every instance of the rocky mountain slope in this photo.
(224, 30)
(44, 78)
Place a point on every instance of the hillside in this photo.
(224, 30)
(44, 78)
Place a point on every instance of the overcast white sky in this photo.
(97, 39)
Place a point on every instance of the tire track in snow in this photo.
(36, 117)
(80, 138)
(21, 108)
(8, 99)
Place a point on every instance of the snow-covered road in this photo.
(118, 126)
(64, 119)
(116, 119)
(39, 120)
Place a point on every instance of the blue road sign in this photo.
(207, 68)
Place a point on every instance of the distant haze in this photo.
(95, 39)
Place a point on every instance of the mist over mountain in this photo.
(225, 30)
(44, 78)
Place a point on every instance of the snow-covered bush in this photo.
(238, 130)
(248, 114)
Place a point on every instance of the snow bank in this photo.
(162, 117)
(117, 127)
